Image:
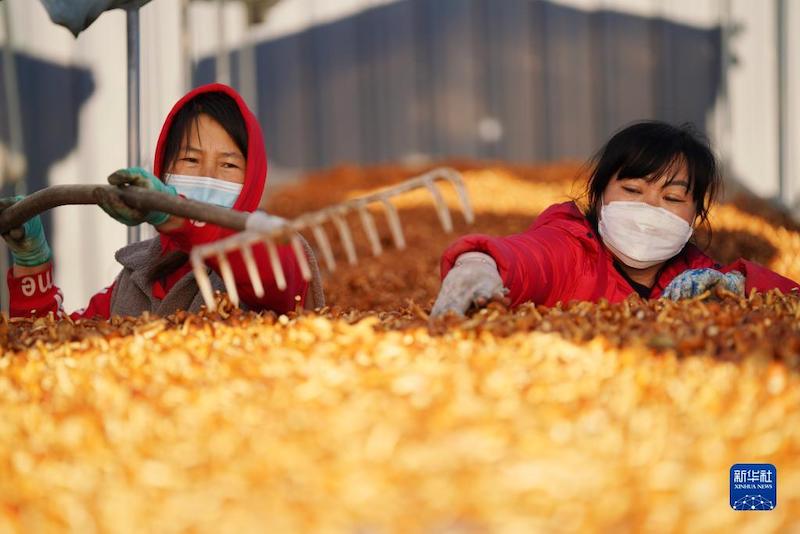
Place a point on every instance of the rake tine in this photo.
(347, 237)
(455, 179)
(324, 246)
(369, 227)
(441, 206)
(302, 260)
(394, 224)
(227, 277)
(252, 271)
(203, 282)
(275, 262)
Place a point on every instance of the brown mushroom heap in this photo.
(365, 417)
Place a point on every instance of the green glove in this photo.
(27, 243)
(134, 177)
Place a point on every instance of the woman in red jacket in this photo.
(652, 184)
(210, 149)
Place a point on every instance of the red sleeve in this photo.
(759, 277)
(186, 237)
(33, 295)
(538, 265)
(36, 295)
(99, 306)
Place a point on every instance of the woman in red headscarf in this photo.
(210, 149)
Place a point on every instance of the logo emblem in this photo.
(754, 487)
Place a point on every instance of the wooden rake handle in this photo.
(141, 199)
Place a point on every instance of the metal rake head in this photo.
(270, 231)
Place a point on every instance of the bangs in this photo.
(653, 151)
(183, 129)
(221, 108)
(655, 165)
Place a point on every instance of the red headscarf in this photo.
(255, 171)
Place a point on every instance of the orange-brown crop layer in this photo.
(366, 418)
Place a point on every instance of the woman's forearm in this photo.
(22, 270)
(172, 223)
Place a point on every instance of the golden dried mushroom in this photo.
(365, 417)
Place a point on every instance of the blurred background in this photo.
(368, 81)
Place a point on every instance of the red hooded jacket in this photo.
(36, 295)
(561, 258)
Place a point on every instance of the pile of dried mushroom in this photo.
(366, 418)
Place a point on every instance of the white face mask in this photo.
(641, 235)
(205, 189)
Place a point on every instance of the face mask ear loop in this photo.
(694, 224)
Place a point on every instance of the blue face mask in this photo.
(205, 189)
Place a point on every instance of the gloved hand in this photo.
(27, 243)
(473, 280)
(134, 177)
(693, 282)
(261, 221)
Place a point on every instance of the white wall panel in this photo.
(753, 98)
(792, 111)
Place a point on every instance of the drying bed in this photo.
(366, 417)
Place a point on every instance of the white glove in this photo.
(261, 221)
(473, 280)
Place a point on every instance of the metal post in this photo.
(223, 73)
(248, 72)
(15, 164)
(186, 47)
(134, 147)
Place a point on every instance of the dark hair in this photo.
(220, 107)
(223, 109)
(651, 150)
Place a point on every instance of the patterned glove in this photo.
(134, 177)
(694, 282)
(473, 280)
(27, 244)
